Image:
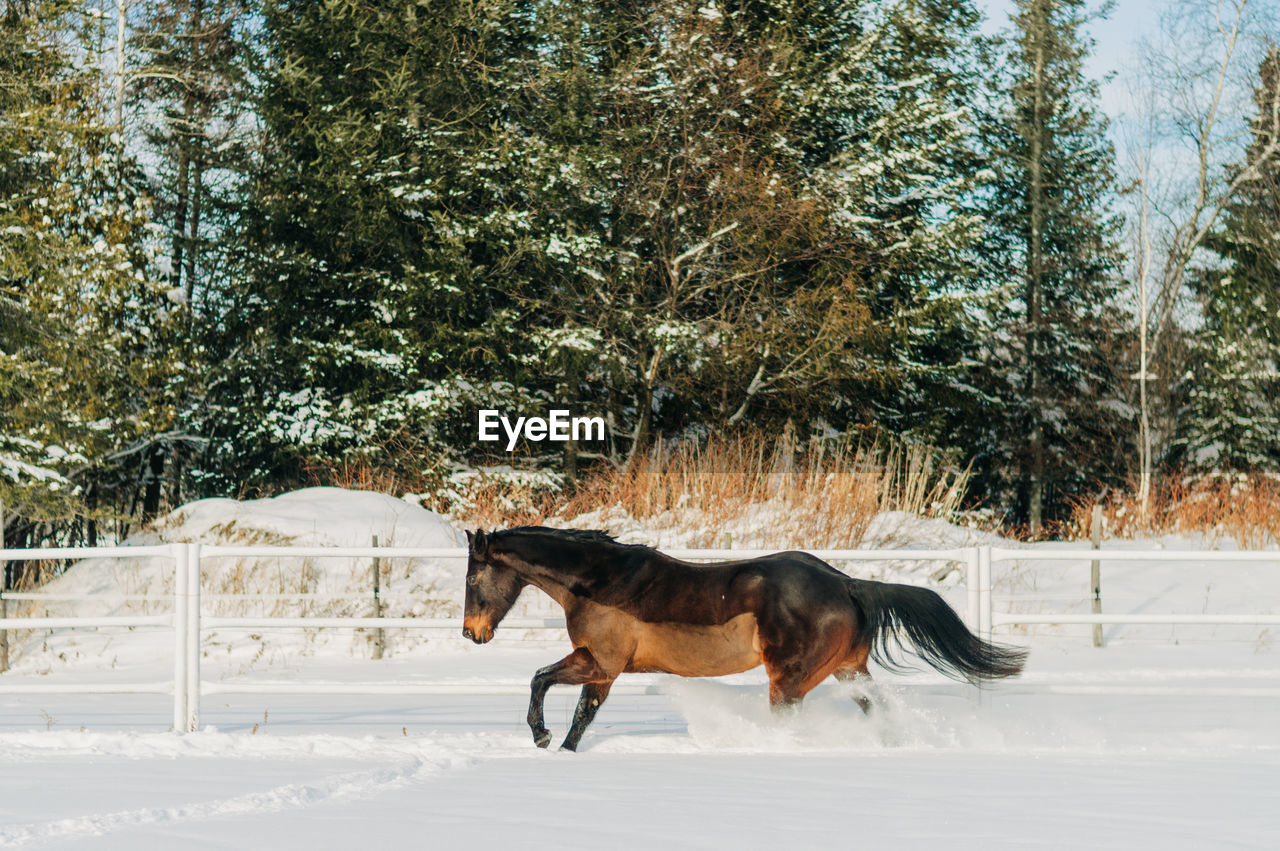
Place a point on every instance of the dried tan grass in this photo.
(362, 474)
(1246, 509)
(830, 491)
(493, 502)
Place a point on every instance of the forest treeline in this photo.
(243, 242)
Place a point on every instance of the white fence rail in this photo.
(188, 622)
(175, 619)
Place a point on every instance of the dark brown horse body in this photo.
(630, 608)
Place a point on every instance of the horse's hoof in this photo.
(569, 746)
(542, 738)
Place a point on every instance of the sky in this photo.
(1117, 38)
(1119, 65)
(1127, 21)
(1117, 56)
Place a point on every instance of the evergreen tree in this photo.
(191, 66)
(932, 300)
(1231, 417)
(1052, 241)
(194, 62)
(680, 214)
(375, 239)
(767, 199)
(83, 372)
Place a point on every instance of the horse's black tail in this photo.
(935, 631)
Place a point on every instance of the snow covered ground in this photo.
(1167, 737)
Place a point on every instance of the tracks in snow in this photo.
(410, 764)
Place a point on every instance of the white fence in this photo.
(188, 623)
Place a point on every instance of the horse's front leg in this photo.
(578, 668)
(593, 694)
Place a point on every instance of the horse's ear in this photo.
(479, 542)
(470, 538)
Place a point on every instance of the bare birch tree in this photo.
(1194, 94)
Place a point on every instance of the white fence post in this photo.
(974, 608)
(180, 579)
(193, 638)
(1095, 572)
(379, 634)
(4, 604)
(984, 593)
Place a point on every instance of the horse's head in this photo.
(492, 589)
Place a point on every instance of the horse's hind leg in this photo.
(790, 679)
(854, 670)
(593, 694)
(577, 668)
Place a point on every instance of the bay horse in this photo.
(629, 608)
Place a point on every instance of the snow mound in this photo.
(309, 517)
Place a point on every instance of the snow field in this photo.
(703, 766)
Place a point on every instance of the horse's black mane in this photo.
(576, 536)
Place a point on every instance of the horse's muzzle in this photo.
(482, 636)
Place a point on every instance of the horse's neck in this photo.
(556, 582)
(541, 578)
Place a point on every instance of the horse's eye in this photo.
(472, 579)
